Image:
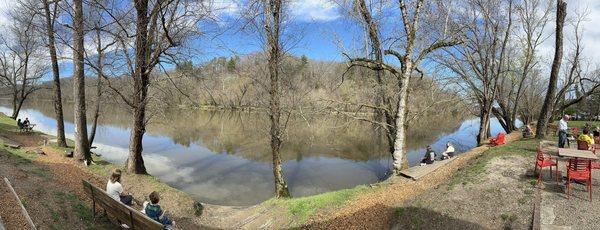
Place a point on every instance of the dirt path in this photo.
(375, 210)
(502, 197)
(51, 205)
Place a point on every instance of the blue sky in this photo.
(324, 32)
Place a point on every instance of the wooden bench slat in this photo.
(125, 214)
(417, 172)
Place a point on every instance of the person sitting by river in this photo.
(115, 189)
(449, 151)
(585, 136)
(20, 124)
(429, 157)
(527, 132)
(153, 210)
(26, 122)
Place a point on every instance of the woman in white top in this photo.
(115, 189)
(449, 151)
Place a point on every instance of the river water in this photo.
(224, 157)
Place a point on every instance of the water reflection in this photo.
(224, 157)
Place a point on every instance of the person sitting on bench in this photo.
(153, 210)
(115, 189)
(429, 157)
(20, 124)
(449, 151)
(26, 122)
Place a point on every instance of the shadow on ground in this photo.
(421, 218)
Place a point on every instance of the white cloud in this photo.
(590, 35)
(5, 7)
(227, 7)
(314, 10)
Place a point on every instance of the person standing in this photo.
(563, 128)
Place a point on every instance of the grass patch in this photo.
(399, 211)
(477, 166)
(77, 206)
(581, 124)
(304, 207)
(20, 156)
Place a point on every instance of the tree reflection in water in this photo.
(223, 157)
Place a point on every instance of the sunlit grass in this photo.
(302, 208)
(477, 166)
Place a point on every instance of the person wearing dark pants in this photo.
(115, 189)
(562, 131)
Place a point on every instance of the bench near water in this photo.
(417, 172)
(124, 214)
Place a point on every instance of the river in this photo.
(224, 157)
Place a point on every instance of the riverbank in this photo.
(495, 191)
(376, 208)
(368, 206)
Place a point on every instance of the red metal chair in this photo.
(579, 170)
(575, 132)
(499, 140)
(542, 161)
(582, 145)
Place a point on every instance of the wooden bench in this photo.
(133, 219)
(417, 172)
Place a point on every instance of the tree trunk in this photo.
(401, 112)
(272, 26)
(100, 66)
(15, 110)
(546, 111)
(135, 162)
(57, 97)
(484, 123)
(96, 112)
(82, 151)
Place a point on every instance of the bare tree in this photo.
(480, 62)
(409, 48)
(96, 59)
(579, 83)
(272, 23)
(546, 112)
(533, 17)
(50, 17)
(82, 147)
(158, 28)
(20, 66)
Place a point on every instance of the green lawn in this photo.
(581, 124)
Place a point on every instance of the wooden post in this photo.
(23, 210)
